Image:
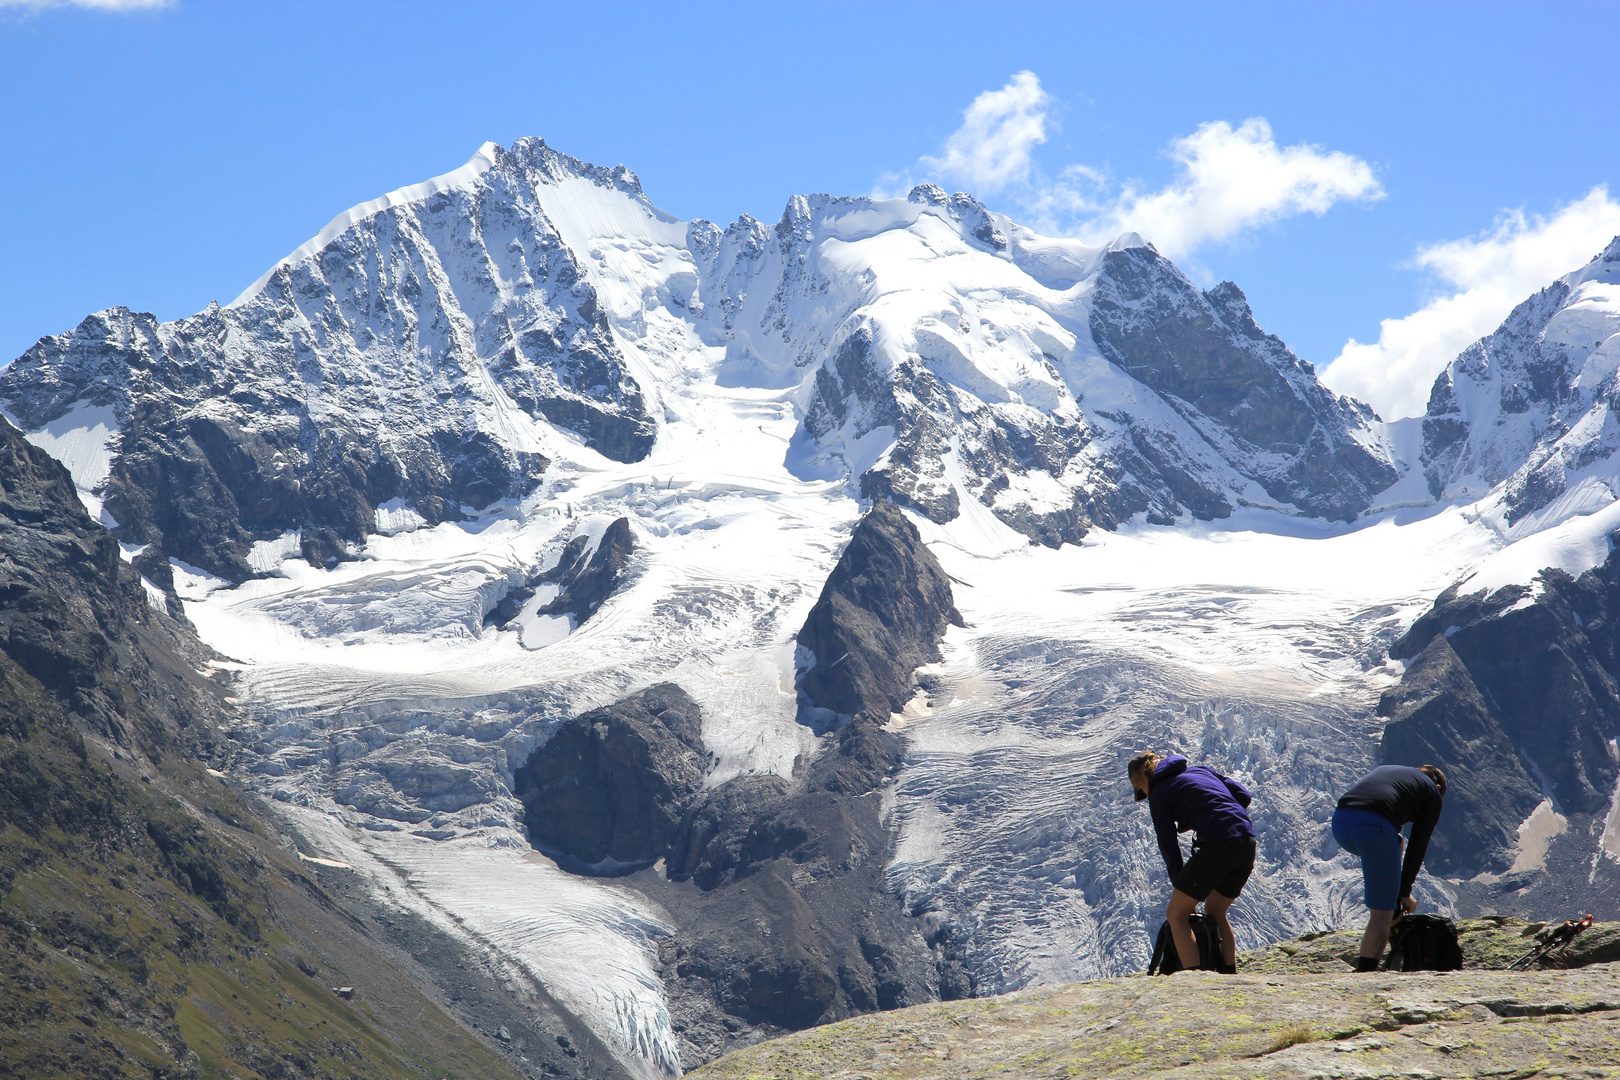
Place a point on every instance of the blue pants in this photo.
(1375, 838)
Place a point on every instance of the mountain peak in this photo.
(476, 166)
(1127, 240)
(557, 166)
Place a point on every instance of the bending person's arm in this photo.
(1418, 846)
(1169, 846)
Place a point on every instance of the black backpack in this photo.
(1166, 961)
(1424, 943)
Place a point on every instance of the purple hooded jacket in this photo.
(1196, 797)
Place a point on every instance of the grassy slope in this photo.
(154, 929)
(151, 926)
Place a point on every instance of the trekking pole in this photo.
(1526, 960)
(1569, 931)
(1551, 940)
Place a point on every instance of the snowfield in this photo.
(386, 715)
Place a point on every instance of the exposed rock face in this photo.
(796, 924)
(1514, 694)
(1468, 1023)
(73, 616)
(779, 887)
(585, 576)
(609, 787)
(1438, 717)
(802, 863)
(881, 615)
(587, 582)
(1258, 405)
(1531, 404)
(381, 364)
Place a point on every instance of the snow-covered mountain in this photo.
(502, 449)
(424, 353)
(393, 368)
(941, 352)
(1531, 406)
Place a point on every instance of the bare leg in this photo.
(1181, 907)
(1377, 934)
(1215, 906)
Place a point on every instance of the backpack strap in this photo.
(1397, 934)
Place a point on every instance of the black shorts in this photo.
(1222, 866)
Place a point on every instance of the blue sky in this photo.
(165, 157)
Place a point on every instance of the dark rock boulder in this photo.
(881, 615)
(610, 787)
(587, 582)
(586, 577)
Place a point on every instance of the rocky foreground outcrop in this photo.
(1490, 943)
(1468, 1023)
(1295, 1009)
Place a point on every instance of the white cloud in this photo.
(991, 149)
(96, 5)
(1483, 278)
(1231, 180)
(1228, 179)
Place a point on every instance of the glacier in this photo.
(1162, 532)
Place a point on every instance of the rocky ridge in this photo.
(1241, 389)
(1101, 385)
(408, 359)
(879, 618)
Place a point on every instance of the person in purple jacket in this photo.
(1196, 797)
